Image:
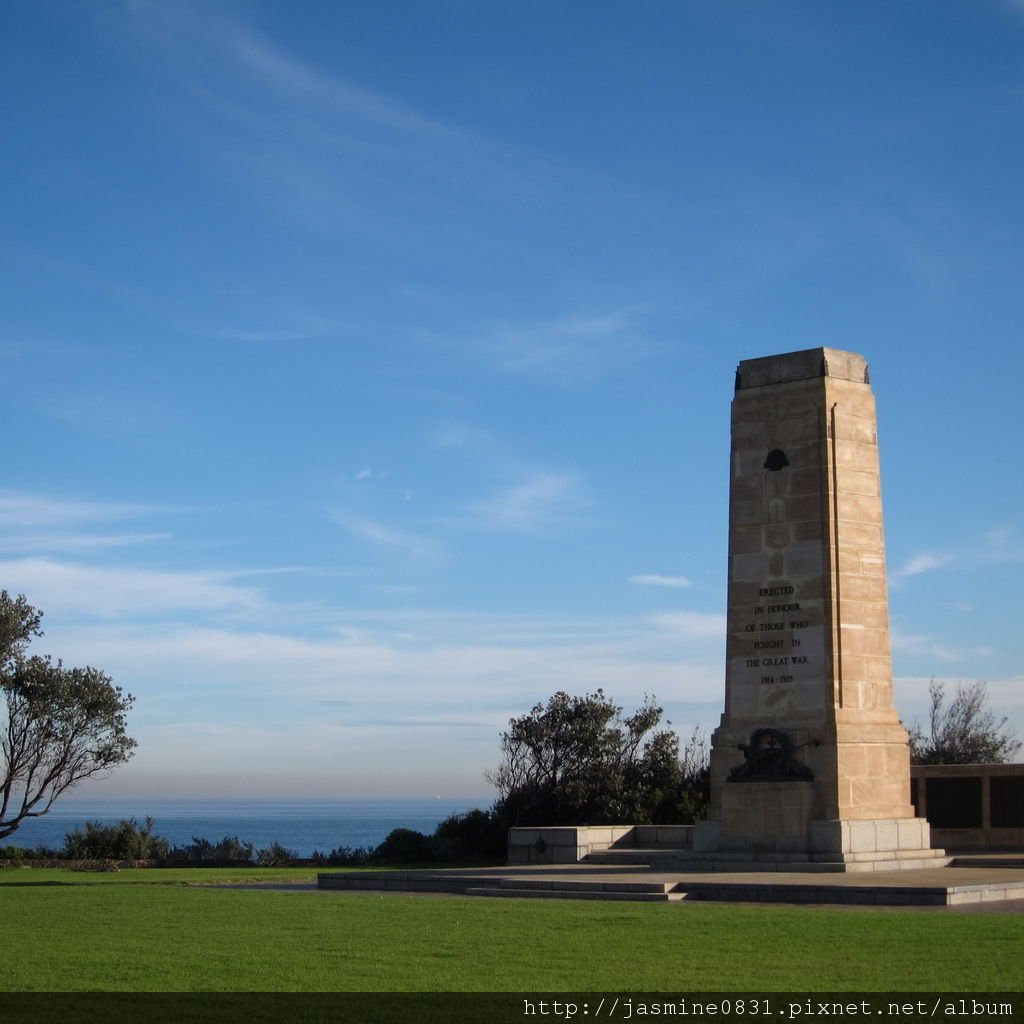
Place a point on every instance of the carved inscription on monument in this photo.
(774, 635)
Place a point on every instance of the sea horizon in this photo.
(301, 824)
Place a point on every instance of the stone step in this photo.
(942, 886)
(584, 884)
(654, 846)
(648, 855)
(511, 892)
(687, 860)
(994, 860)
(727, 865)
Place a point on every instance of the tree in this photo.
(58, 725)
(576, 760)
(964, 731)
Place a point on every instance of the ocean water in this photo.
(300, 825)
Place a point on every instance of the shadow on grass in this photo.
(36, 885)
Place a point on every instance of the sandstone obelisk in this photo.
(810, 765)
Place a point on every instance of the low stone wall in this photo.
(968, 806)
(971, 806)
(564, 844)
(570, 844)
(675, 837)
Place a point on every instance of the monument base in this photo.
(872, 844)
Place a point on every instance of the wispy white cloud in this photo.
(535, 505)
(1001, 545)
(702, 625)
(31, 523)
(283, 72)
(560, 349)
(321, 148)
(574, 343)
(921, 645)
(75, 590)
(421, 722)
(384, 535)
(466, 663)
(927, 561)
(458, 435)
(1000, 536)
(33, 542)
(20, 510)
(368, 473)
(655, 580)
(530, 500)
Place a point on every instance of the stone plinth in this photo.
(569, 844)
(564, 844)
(826, 769)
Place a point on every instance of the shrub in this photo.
(41, 852)
(230, 849)
(126, 840)
(345, 856)
(276, 855)
(95, 865)
(475, 835)
(405, 846)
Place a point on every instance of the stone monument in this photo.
(810, 766)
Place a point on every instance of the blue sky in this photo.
(367, 367)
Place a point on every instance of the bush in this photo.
(345, 856)
(95, 865)
(41, 852)
(126, 840)
(405, 846)
(276, 855)
(11, 853)
(475, 835)
(230, 849)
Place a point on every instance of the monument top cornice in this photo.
(807, 364)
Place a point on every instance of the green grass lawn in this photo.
(170, 930)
